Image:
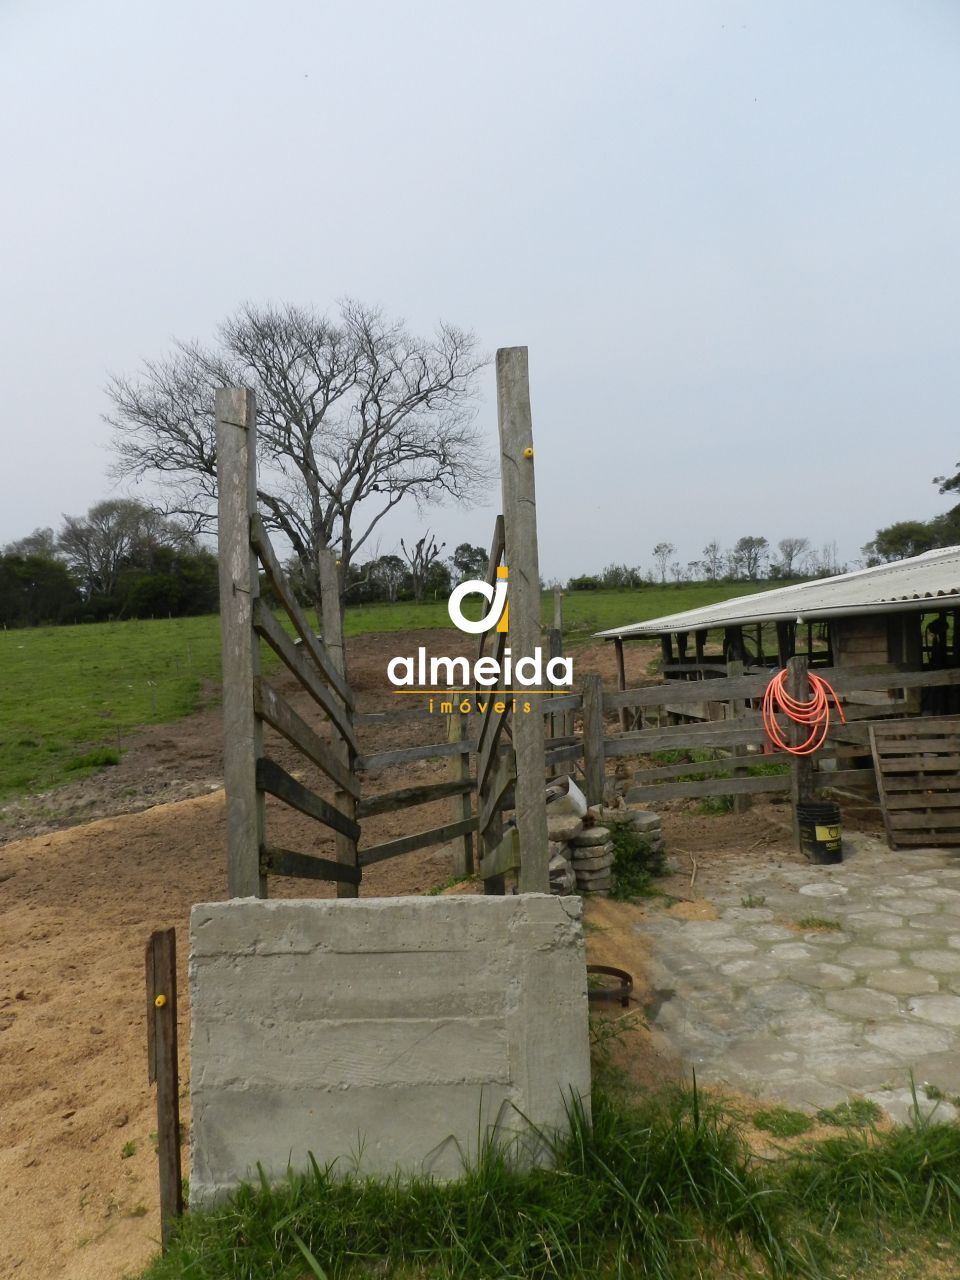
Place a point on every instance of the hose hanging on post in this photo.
(815, 713)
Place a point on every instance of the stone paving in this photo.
(809, 1016)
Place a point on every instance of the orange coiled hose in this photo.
(815, 713)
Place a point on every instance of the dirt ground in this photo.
(88, 872)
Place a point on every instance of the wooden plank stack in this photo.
(917, 764)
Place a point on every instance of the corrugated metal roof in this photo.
(933, 579)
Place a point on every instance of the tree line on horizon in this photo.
(355, 415)
(123, 559)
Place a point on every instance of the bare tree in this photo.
(826, 563)
(354, 415)
(793, 551)
(662, 553)
(713, 560)
(421, 556)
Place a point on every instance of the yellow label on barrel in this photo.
(826, 833)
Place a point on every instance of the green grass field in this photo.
(67, 692)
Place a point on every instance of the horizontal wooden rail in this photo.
(304, 866)
(422, 839)
(403, 755)
(281, 587)
(825, 779)
(296, 660)
(711, 734)
(406, 797)
(558, 755)
(857, 680)
(670, 772)
(845, 680)
(389, 715)
(712, 787)
(679, 693)
(277, 782)
(278, 713)
(554, 703)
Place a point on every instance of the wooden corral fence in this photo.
(508, 750)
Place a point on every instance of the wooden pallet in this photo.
(917, 763)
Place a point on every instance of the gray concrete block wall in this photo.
(381, 1033)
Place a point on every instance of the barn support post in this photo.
(163, 1070)
(524, 634)
(236, 419)
(593, 754)
(797, 685)
(332, 627)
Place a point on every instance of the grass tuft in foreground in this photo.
(665, 1188)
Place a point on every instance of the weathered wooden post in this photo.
(797, 685)
(621, 679)
(524, 634)
(236, 415)
(741, 802)
(162, 1069)
(332, 626)
(593, 756)
(457, 731)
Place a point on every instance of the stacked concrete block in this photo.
(581, 848)
(593, 860)
(563, 879)
(641, 820)
(561, 830)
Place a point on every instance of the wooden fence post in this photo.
(161, 973)
(797, 685)
(593, 755)
(457, 731)
(621, 678)
(741, 803)
(332, 627)
(236, 413)
(522, 558)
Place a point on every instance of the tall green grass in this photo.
(664, 1189)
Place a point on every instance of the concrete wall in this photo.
(386, 1031)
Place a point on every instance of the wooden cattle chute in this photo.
(918, 776)
(509, 751)
(250, 701)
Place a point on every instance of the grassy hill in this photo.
(69, 695)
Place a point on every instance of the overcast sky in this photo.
(728, 233)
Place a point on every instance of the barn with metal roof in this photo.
(905, 614)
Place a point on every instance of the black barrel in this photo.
(821, 835)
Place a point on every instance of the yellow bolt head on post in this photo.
(160, 1001)
(528, 452)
